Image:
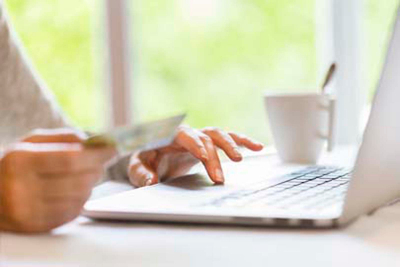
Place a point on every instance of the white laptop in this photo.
(315, 196)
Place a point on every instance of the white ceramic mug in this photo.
(301, 124)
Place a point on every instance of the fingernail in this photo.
(148, 182)
(237, 152)
(258, 143)
(219, 176)
(149, 179)
(204, 155)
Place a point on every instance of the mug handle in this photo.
(331, 126)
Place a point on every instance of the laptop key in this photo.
(312, 188)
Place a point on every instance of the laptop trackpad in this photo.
(195, 188)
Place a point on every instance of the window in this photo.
(378, 20)
(61, 38)
(215, 59)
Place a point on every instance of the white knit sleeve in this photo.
(25, 102)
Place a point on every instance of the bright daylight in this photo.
(199, 133)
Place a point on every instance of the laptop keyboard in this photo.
(313, 188)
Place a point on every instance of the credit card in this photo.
(146, 136)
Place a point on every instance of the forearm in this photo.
(25, 102)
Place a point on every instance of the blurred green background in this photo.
(212, 59)
(64, 41)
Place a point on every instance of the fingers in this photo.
(53, 214)
(247, 142)
(225, 142)
(59, 213)
(62, 135)
(213, 163)
(39, 176)
(59, 151)
(45, 217)
(71, 159)
(140, 174)
(201, 147)
(76, 186)
(145, 168)
(190, 140)
(30, 213)
(59, 158)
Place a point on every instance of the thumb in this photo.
(140, 174)
(61, 135)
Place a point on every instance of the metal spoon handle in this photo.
(328, 76)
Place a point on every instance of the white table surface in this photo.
(370, 241)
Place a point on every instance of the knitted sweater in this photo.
(25, 102)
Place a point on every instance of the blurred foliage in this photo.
(215, 59)
(58, 37)
(211, 58)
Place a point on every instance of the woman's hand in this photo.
(189, 147)
(46, 179)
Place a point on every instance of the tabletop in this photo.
(370, 241)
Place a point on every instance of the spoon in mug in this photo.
(328, 77)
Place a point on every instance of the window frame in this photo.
(118, 62)
(339, 36)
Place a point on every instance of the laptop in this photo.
(300, 196)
